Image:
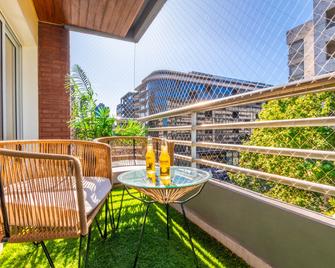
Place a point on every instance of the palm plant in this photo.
(88, 121)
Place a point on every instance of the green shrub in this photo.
(130, 128)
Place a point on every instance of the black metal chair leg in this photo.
(167, 221)
(189, 234)
(99, 229)
(46, 252)
(141, 235)
(111, 212)
(120, 209)
(106, 217)
(88, 246)
(80, 246)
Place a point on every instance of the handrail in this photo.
(183, 157)
(293, 152)
(297, 183)
(304, 153)
(317, 84)
(301, 122)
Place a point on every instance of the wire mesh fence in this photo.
(295, 152)
(275, 140)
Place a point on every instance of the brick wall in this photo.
(53, 65)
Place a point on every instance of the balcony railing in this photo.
(188, 148)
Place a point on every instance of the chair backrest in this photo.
(94, 157)
(131, 150)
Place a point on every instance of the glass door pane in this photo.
(1, 85)
(10, 90)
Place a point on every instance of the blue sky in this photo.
(243, 39)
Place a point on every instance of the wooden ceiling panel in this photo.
(126, 20)
(113, 17)
(116, 19)
(74, 12)
(107, 15)
(101, 6)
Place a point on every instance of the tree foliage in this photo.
(321, 138)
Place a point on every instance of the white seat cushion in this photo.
(33, 200)
(95, 190)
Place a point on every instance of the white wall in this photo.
(21, 16)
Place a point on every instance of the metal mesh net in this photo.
(194, 52)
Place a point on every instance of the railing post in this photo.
(193, 138)
(134, 151)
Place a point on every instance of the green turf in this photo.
(118, 250)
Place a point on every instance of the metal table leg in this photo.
(189, 234)
(181, 202)
(167, 221)
(120, 209)
(141, 234)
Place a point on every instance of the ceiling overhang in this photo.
(121, 19)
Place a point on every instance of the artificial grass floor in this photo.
(118, 250)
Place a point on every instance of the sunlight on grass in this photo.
(201, 253)
(118, 250)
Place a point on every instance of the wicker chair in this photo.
(130, 150)
(52, 189)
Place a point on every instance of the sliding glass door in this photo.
(10, 84)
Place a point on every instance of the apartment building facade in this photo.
(165, 90)
(126, 108)
(311, 46)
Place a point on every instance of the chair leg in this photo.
(106, 217)
(104, 234)
(99, 229)
(87, 248)
(46, 252)
(80, 246)
(111, 213)
(120, 209)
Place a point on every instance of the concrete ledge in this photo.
(225, 240)
(263, 231)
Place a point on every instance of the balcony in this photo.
(269, 146)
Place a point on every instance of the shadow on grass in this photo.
(118, 250)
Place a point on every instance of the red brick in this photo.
(53, 66)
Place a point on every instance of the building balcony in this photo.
(269, 149)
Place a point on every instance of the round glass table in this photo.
(186, 183)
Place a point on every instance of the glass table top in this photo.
(180, 177)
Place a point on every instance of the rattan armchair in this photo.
(52, 189)
(130, 150)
